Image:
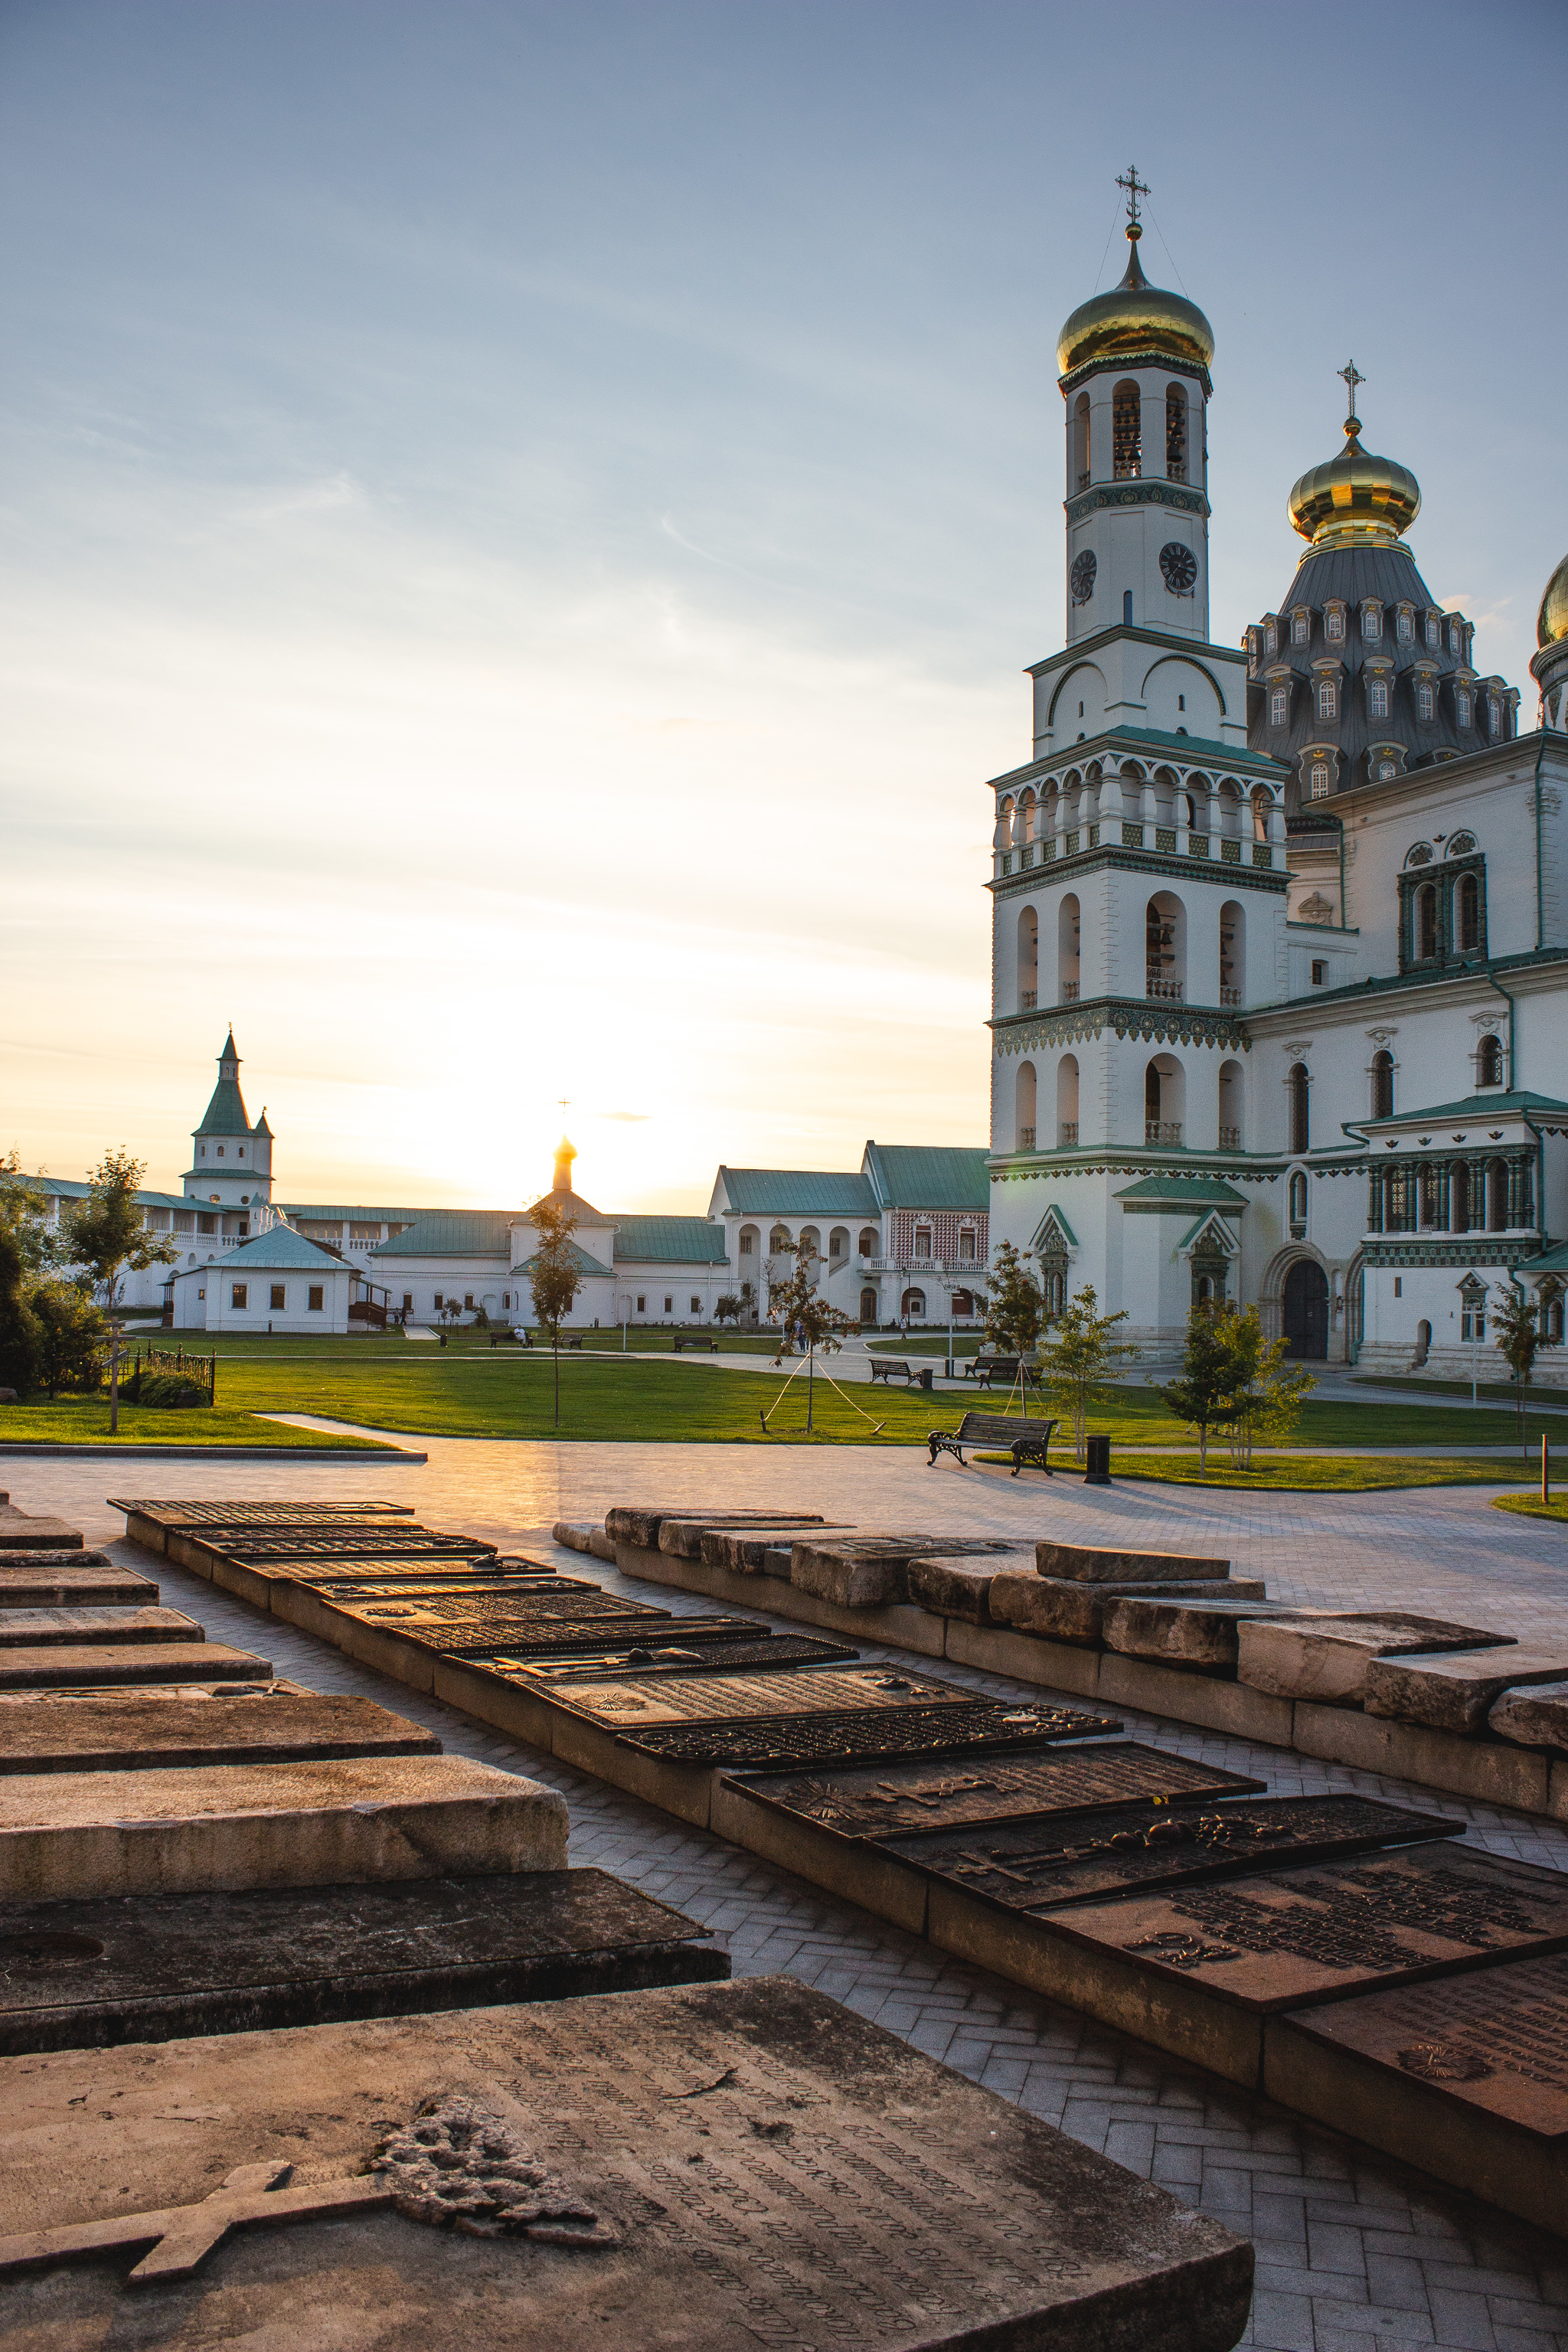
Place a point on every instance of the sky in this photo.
(522, 527)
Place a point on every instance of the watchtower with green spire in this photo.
(231, 1162)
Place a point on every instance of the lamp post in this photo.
(116, 1358)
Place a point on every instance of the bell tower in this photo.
(1135, 373)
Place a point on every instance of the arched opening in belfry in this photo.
(1175, 433)
(1467, 912)
(1165, 1087)
(1297, 1093)
(1081, 466)
(1426, 921)
(1069, 959)
(1066, 1099)
(1382, 1085)
(1164, 947)
(1230, 1105)
(1029, 960)
(1024, 1107)
(1127, 432)
(1488, 1062)
(1232, 951)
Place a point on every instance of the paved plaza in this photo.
(1355, 2254)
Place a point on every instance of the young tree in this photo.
(807, 1322)
(1014, 1308)
(18, 1326)
(1200, 1393)
(1516, 1335)
(24, 1213)
(1266, 1393)
(106, 1238)
(71, 1337)
(556, 1276)
(728, 1308)
(1078, 1357)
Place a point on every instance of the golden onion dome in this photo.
(1551, 625)
(1135, 317)
(1355, 499)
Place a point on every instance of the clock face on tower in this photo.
(1178, 567)
(1081, 576)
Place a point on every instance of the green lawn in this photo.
(1530, 1507)
(1495, 1392)
(84, 1421)
(470, 1390)
(1347, 1474)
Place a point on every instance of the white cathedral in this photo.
(1280, 935)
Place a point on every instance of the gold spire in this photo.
(565, 1155)
(1135, 317)
(1551, 622)
(1355, 499)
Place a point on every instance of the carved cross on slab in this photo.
(179, 2238)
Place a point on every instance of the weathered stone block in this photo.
(57, 1665)
(1492, 1770)
(1456, 1692)
(306, 1824)
(1188, 1697)
(20, 1532)
(702, 2168)
(1535, 1717)
(1198, 1635)
(1070, 1609)
(639, 1523)
(682, 1538)
(1101, 1564)
(1327, 1663)
(136, 1731)
(75, 1626)
(70, 1580)
(961, 1587)
(746, 1550)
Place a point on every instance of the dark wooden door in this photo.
(1306, 1318)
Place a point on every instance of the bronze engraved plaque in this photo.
(1288, 1938)
(884, 1802)
(975, 1727)
(744, 1653)
(698, 1698)
(1036, 1866)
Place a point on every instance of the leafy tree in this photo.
(18, 1326)
(1078, 1359)
(105, 1235)
(1200, 1394)
(24, 1213)
(1516, 1335)
(1014, 1308)
(807, 1322)
(1265, 1394)
(555, 1274)
(71, 1338)
(728, 1308)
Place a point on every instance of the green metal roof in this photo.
(799, 1193)
(1184, 1192)
(1490, 1105)
(671, 1241)
(928, 1175)
(280, 1247)
(454, 1232)
(327, 1212)
(225, 1114)
(580, 1259)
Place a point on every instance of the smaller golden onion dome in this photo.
(1552, 625)
(1135, 317)
(1356, 499)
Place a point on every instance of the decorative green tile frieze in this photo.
(1156, 1023)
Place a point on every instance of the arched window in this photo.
(914, 1305)
(1164, 1086)
(1552, 1317)
(1426, 921)
(871, 1243)
(1080, 467)
(1328, 698)
(868, 1307)
(837, 1245)
(1126, 432)
(1319, 789)
(1232, 951)
(1278, 705)
(1297, 1087)
(1164, 948)
(1488, 1062)
(1382, 1085)
(1066, 1099)
(809, 1246)
(1029, 960)
(748, 1241)
(922, 1240)
(1377, 699)
(1175, 433)
(778, 1239)
(1024, 1107)
(1262, 803)
(1068, 958)
(1425, 705)
(1300, 628)
(1461, 707)
(1298, 1203)
(1467, 911)
(1230, 1106)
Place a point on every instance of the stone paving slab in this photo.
(1350, 2243)
(704, 2168)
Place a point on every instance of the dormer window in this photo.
(1278, 705)
(1319, 784)
(1271, 638)
(1372, 623)
(1457, 637)
(1426, 702)
(1328, 698)
(1252, 648)
(1334, 624)
(1301, 625)
(1461, 706)
(1377, 699)
(1433, 630)
(1494, 716)
(1406, 625)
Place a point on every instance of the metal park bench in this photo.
(886, 1367)
(1025, 1441)
(709, 1346)
(987, 1370)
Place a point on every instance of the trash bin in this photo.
(924, 1376)
(1097, 1451)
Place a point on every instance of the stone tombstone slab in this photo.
(977, 1728)
(1327, 1663)
(639, 1523)
(32, 1629)
(1072, 1609)
(130, 1731)
(20, 1532)
(157, 1967)
(195, 1509)
(701, 2168)
(1039, 1865)
(878, 1801)
(437, 1580)
(1466, 2078)
(52, 1665)
(1535, 1717)
(1200, 1969)
(44, 1580)
(302, 1824)
(1456, 1692)
(1103, 1564)
(494, 1618)
(1195, 1634)
(613, 1638)
(702, 1698)
(774, 1653)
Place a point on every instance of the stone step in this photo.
(140, 1730)
(23, 1629)
(80, 1665)
(66, 1580)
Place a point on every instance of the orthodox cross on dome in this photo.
(1353, 376)
(1135, 188)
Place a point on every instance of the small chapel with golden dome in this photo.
(1280, 929)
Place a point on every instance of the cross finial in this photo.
(1353, 376)
(1135, 188)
